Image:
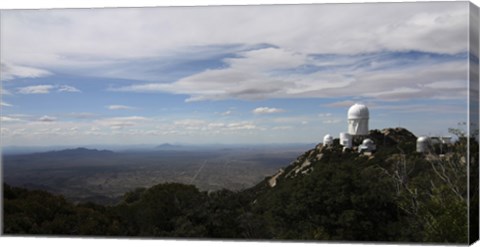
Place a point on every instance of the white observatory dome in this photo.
(327, 140)
(422, 139)
(423, 144)
(358, 116)
(358, 111)
(367, 142)
(367, 146)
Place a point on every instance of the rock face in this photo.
(273, 180)
(386, 139)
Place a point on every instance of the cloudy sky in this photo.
(246, 74)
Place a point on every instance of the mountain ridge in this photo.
(74, 152)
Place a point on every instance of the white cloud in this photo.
(248, 74)
(325, 114)
(46, 118)
(119, 107)
(282, 127)
(226, 113)
(191, 124)
(244, 125)
(37, 89)
(9, 119)
(216, 125)
(120, 122)
(395, 93)
(407, 26)
(132, 129)
(5, 104)
(390, 78)
(331, 121)
(267, 59)
(69, 89)
(423, 108)
(447, 84)
(99, 41)
(247, 77)
(342, 104)
(9, 72)
(196, 126)
(46, 89)
(266, 110)
(294, 120)
(328, 118)
(82, 115)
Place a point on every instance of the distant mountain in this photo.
(77, 152)
(168, 146)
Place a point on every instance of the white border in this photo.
(33, 4)
(82, 242)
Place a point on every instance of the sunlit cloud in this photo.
(209, 80)
(46, 118)
(46, 89)
(121, 122)
(119, 107)
(9, 119)
(9, 72)
(267, 110)
(5, 104)
(253, 77)
(37, 89)
(69, 89)
(82, 115)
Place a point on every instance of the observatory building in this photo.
(367, 146)
(358, 116)
(346, 140)
(423, 144)
(327, 140)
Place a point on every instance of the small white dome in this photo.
(358, 111)
(328, 139)
(367, 142)
(422, 139)
(423, 143)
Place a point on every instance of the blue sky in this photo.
(230, 74)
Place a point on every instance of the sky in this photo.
(245, 74)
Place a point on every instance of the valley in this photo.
(103, 176)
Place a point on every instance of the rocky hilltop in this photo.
(392, 194)
(388, 141)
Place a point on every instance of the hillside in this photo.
(394, 194)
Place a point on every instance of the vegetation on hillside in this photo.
(395, 194)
